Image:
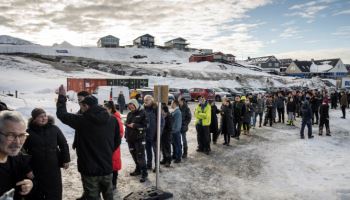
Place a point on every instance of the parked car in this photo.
(180, 92)
(197, 92)
(232, 91)
(219, 94)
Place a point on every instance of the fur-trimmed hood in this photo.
(50, 121)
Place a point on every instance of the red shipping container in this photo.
(86, 84)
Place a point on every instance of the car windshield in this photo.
(217, 90)
(184, 90)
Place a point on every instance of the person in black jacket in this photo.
(291, 109)
(136, 124)
(214, 129)
(280, 101)
(186, 119)
(324, 118)
(269, 111)
(150, 108)
(95, 145)
(306, 117)
(226, 121)
(238, 110)
(121, 102)
(166, 137)
(315, 104)
(334, 100)
(46, 144)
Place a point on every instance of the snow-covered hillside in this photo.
(6, 39)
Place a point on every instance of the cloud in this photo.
(343, 12)
(343, 53)
(84, 21)
(291, 33)
(343, 31)
(309, 10)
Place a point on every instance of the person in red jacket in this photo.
(116, 159)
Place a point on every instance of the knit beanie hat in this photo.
(90, 100)
(135, 102)
(36, 112)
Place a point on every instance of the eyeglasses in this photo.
(12, 136)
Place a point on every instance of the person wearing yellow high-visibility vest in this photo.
(202, 114)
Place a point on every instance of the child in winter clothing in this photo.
(291, 108)
(324, 118)
(247, 117)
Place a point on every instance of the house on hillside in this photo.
(267, 63)
(108, 41)
(347, 66)
(201, 58)
(146, 40)
(178, 43)
(218, 57)
(229, 58)
(284, 64)
(299, 68)
(328, 68)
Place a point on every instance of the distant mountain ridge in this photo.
(6, 39)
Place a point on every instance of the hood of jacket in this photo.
(50, 121)
(97, 114)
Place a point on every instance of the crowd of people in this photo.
(32, 155)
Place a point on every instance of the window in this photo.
(276, 64)
(270, 65)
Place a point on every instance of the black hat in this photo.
(36, 112)
(90, 100)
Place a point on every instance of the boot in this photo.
(163, 162)
(320, 132)
(143, 176)
(136, 172)
(184, 155)
(328, 132)
(248, 133)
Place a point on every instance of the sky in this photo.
(297, 29)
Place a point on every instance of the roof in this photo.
(219, 53)
(201, 55)
(230, 55)
(179, 38)
(260, 60)
(109, 36)
(331, 62)
(304, 66)
(145, 35)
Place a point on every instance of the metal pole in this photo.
(158, 135)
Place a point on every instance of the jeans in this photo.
(280, 114)
(177, 145)
(184, 139)
(151, 146)
(309, 128)
(94, 185)
(260, 118)
(237, 126)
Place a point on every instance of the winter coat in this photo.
(177, 120)
(151, 130)
(238, 109)
(168, 126)
(280, 102)
(48, 149)
(249, 110)
(269, 108)
(334, 98)
(306, 111)
(186, 117)
(116, 158)
(344, 100)
(324, 112)
(259, 106)
(227, 120)
(314, 102)
(138, 132)
(121, 101)
(214, 119)
(291, 107)
(97, 138)
(203, 114)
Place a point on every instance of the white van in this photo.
(102, 93)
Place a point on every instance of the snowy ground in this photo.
(272, 164)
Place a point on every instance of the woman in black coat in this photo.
(226, 121)
(49, 151)
(214, 121)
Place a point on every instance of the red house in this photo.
(201, 58)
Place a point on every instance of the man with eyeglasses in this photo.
(14, 170)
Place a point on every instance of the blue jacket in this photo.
(151, 130)
(177, 120)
